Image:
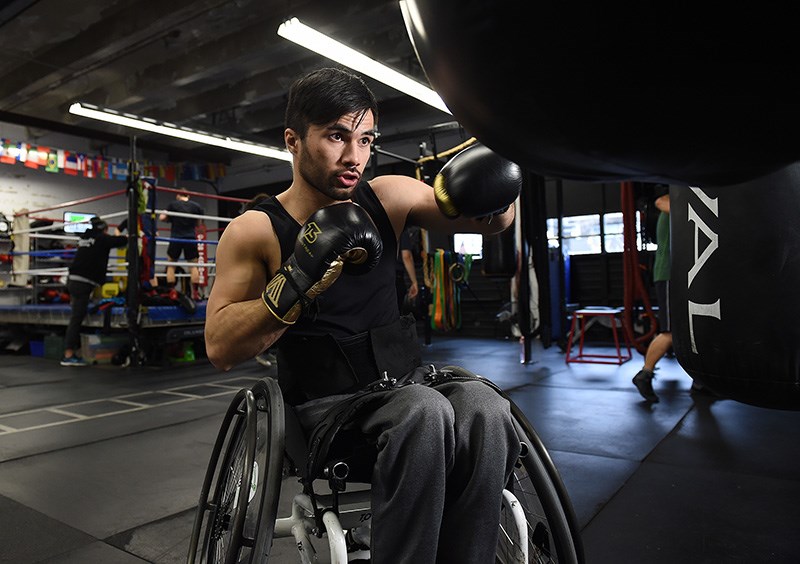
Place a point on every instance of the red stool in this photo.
(576, 332)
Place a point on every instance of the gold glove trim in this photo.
(274, 289)
(278, 317)
(443, 198)
(272, 294)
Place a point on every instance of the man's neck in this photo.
(301, 200)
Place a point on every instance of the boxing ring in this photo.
(33, 299)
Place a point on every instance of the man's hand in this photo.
(477, 183)
(334, 237)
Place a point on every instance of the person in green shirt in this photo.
(662, 342)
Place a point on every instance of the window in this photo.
(468, 244)
(612, 227)
(581, 234)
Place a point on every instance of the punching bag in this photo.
(616, 85)
(499, 255)
(734, 287)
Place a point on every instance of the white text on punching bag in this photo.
(700, 259)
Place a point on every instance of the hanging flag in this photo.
(52, 161)
(169, 173)
(104, 169)
(7, 155)
(190, 171)
(70, 163)
(88, 169)
(74, 164)
(215, 171)
(34, 159)
(22, 155)
(31, 159)
(119, 170)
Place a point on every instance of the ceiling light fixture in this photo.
(172, 130)
(296, 31)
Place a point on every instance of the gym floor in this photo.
(103, 465)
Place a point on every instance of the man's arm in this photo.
(408, 263)
(473, 193)
(113, 241)
(254, 299)
(238, 325)
(662, 203)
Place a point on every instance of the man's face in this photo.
(332, 158)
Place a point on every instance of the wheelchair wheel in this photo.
(552, 532)
(236, 522)
(262, 510)
(536, 495)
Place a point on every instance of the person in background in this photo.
(86, 272)
(662, 342)
(121, 228)
(184, 230)
(406, 294)
(313, 270)
(254, 201)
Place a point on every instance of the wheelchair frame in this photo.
(538, 524)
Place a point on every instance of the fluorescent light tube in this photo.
(172, 130)
(311, 39)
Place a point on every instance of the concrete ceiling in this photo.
(215, 65)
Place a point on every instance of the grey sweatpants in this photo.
(444, 456)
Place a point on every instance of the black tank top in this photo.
(353, 304)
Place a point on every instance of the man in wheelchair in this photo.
(312, 270)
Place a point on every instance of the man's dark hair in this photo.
(325, 95)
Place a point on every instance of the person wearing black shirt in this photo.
(406, 294)
(312, 270)
(87, 271)
(184, 235)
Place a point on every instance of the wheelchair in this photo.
(257, 465)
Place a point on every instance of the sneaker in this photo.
(644, 383)
(73, 361)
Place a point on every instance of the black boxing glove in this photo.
(334, 237)
(477, 182)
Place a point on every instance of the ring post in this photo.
(133, 298)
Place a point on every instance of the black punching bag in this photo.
(735, 287)
(615, 85)
(500, 254)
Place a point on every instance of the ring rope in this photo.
(194, 215)
(172, 240)
(201, 194)
(119, 269)
(72, 203)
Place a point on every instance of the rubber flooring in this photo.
(104, 465)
